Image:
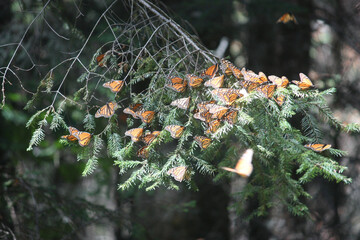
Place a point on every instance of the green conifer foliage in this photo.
(147, 52)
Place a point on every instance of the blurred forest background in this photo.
(42, 192)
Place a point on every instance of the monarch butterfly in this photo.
(217, 111)
(71, 137)
(194, 81)
(227, 95)
(215, 82)
(202, 106)
(134, 133)
(253, 77)
(228, 68)
(114, 85)
(150, 137)
(203, 142)
(280, 100)
(204, 116)
(175, 130)
(83, 137)
(210, 71)
(143, 152)
(132, 109)
(100, 59)
(179, 173)
(231, 117)
(107, 110)
(145, 116)
(282, 82)
(177, 84)
(268, 89)
(287, 17)
(304, 83)
(318, 147)
(249, 86)
(213, 126)
(182, 103)
(244, 166)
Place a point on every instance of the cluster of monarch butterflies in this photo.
(222, 108)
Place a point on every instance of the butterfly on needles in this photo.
(204, 116)
(216, 82)
(177, 84)
(213, 126)
(210, 71)
(203, 141)
(304, 83)
(287, 17)
(135, 134)
(100, 60)
(217, 111)
(175, 130)
(143, 152)
(282, 82)
(114, 85)
(179, 173)
(107, 110)
(145, 116)
(82, 137)
(133, 109)
(231, 117)
(318, 147)
(150, 137)
(228, 68)
(267, 90)
(244, 166)
(227, 95)
(194, 81)
(182, 103)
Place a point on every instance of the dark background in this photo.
(43, 195)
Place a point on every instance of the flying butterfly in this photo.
(145, 116)
(203, 142)
(194, 81)
(143, 152)
(228, 68)
(132, 109)
(227, 95)
(150, 137)
(318, 147)
(114, 85)
(107, 110)
(304, 83)
(179, 173)
(175, 130)
(213, 126)
(282, 82)
(267, 89)
(134, 133)
(231, 117)
(217, 111)
(182, 103)
(244, 166)
(287, 17)
(177, 84)
(210, 71)
(216, 82)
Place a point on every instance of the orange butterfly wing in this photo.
(231, 117)
(203, 142)
(132, 109)
(107, 110)
(268, 90)
(213, 126)
(217, 111)
(216, 82)
(179, 173)
(211, 71)
(146, 116)
(182, 103)
(83, 137)
(287, 17)
(318, 147)
(100, 59)
(149, 138)
(177, 84)
(194, 81)
(70, 138)
(282, 82)
(143, 152)
(134, 133)
(244, 166)
(304, 83)
(114, 85)
(175, 130)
